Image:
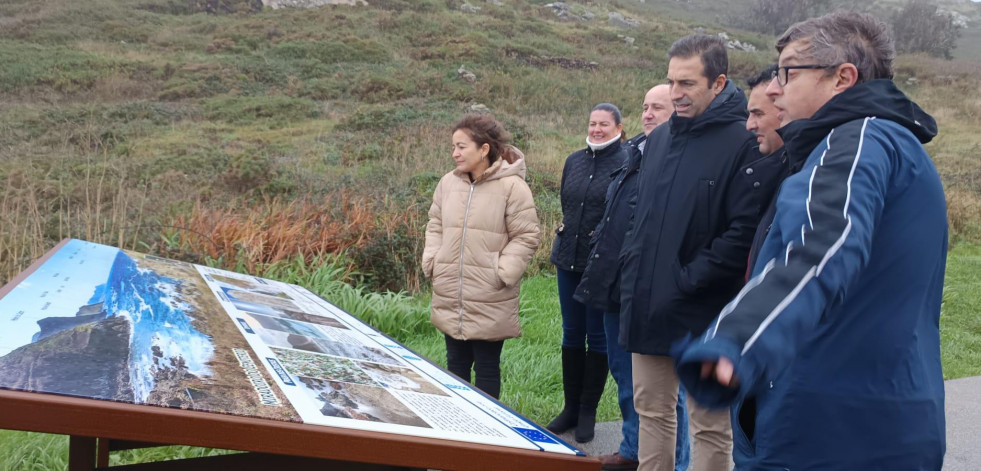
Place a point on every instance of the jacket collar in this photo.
(608, 150)
(729, 106)
(512, 162)
(875, 98)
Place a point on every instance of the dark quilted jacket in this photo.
(585, 179)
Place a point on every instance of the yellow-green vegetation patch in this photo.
(960, 326)
(59, 67)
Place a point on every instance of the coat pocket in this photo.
(497, 271)
(743, 418)
(703, 207)
(680, 280)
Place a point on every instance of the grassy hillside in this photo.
(254, 136)
(122, 117)
(154, 125)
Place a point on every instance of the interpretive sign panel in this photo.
(99, 322)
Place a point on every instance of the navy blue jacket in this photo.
(585, 178)
(685, 255)
(835, 340)
(600, 285)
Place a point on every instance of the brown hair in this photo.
(845, 37)
(484, 129)
(710, 49)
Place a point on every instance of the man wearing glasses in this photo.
(830, 355)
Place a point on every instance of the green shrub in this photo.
(379, 118)
(348, 50)
(249, 170)
(65, 69)
(390, 258)
(384, 89)
(423, 6)
(323, 89)
(123, 31)
(243, 110)
(194, 161)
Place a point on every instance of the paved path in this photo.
(963, 402)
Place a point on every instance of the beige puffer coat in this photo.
(479, 240)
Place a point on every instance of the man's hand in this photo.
(722, 370)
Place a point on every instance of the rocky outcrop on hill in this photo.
(468, 8)
(620, 21)
(564, 12)
(736, 44)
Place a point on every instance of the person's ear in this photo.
(719, 84)
(484, 150)
(845, 77)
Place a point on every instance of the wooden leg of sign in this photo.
(102, 454)
(81, 453)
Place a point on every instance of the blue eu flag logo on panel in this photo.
(535, 435)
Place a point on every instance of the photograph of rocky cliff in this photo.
(143, 330)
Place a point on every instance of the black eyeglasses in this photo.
(782, 71)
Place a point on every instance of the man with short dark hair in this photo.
(830, 356)
(685, 254)
(764, 121)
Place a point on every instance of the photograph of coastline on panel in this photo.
(99, 322)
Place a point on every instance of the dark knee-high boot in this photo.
(573, 361)
(594, 380)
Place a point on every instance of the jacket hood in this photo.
(729, 106)
(876, 98)
(511, 162)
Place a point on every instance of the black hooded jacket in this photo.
(685, 255)
(600, 284)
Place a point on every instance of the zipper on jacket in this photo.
(463, 238)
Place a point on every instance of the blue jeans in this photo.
(620, 369)
(581, 326)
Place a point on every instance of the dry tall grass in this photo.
(949, 91)
(94, 203)
(248, 237)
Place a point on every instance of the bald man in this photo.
(657, 109)
(599, 288)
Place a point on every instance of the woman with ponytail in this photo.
(585, 179)
(482, 232)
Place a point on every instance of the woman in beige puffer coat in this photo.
(482, 232)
